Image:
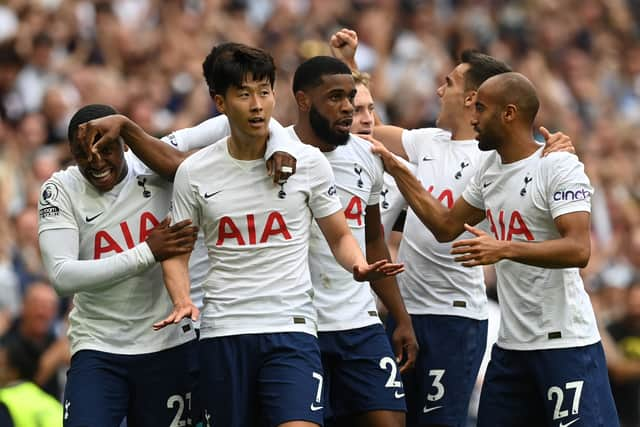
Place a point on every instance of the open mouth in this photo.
(365, 132)
(256, 121)
(344, 125)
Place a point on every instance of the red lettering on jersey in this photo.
(99, 248)
(354, 209)
(446, 194)
(147, 223)
(519, 228)
(516, 226)
(270, 231)
(127, 234)
(251, 226)
(233, 233)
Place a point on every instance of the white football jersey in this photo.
(541, 308)
(257, 237)
(340, 301)
(392, 203)
(433, 283)
(187, 139)
(117, 318)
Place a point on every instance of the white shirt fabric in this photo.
(258, 241)
(433, 283)
(340, 301)
(199, 136)
(93, 245)
(541, 308)
(392, 203)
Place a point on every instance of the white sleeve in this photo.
(413, 142)
(472, 194)
(323, 200)
(568, 188)
(280, 140)
(378, 182)
(69, 274)
(184, 204)
(202, 135)
(55, 208)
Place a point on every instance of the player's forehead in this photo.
(363, 96)
(336, 83)
(457, 74)
(250, 82)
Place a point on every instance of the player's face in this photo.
(452, 94)
(331, 112)
(486, 122)
(249, 107)
(363, 114)
(106, 168)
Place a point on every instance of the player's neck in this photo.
(517, 146)
(463, 133)
(244, 147)
(308, 136)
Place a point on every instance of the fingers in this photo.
(411, 351)
(166, 321)
(474, 230)
(180, 225)
(545, 133)
(176, 316)
(282, 167)
(270, 166)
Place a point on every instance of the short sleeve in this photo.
(413, 142)
(323, 199)
(568, 188)
(378, 182)
(472, 194)
(54, 207)
(280, 140)
(184, 204)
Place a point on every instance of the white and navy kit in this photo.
(360, 370)
(447, 302)
(548, 342)
(99, 254)
(188, 139)
(257, 295)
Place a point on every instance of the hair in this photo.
(9, 56)
(22, 357)
(86, 113)
(228, 64)
(310, 73)
(515, 88)
(481, 67)
(361, 78)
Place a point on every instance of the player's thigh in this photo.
(509, 395)
(290, 380)
(228, 380)
(97, 392)
(575, 386)
(365, 376)
(163, 387)
(451, 351)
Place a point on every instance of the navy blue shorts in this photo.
(261, 379)
(149, 389)
(560, 387)
(451, 350)
(360, 372)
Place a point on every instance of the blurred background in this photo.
(144, 58)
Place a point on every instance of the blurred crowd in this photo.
(144, 58)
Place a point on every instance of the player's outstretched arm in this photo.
(348, 254)
(404, 342)
(445, 224)
(161, 157)
(69, 274)
(176, 278)
(572, 249)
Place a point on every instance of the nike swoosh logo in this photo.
(426, 159)
(209, 195)
(427, 410)
(568, 424)
(315, 408)
(486, 184)
(398, 395)
(86, 218)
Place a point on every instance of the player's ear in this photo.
(125, 147)
(509, 113)
(219, 101)
(470, 98)
(303, 101)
